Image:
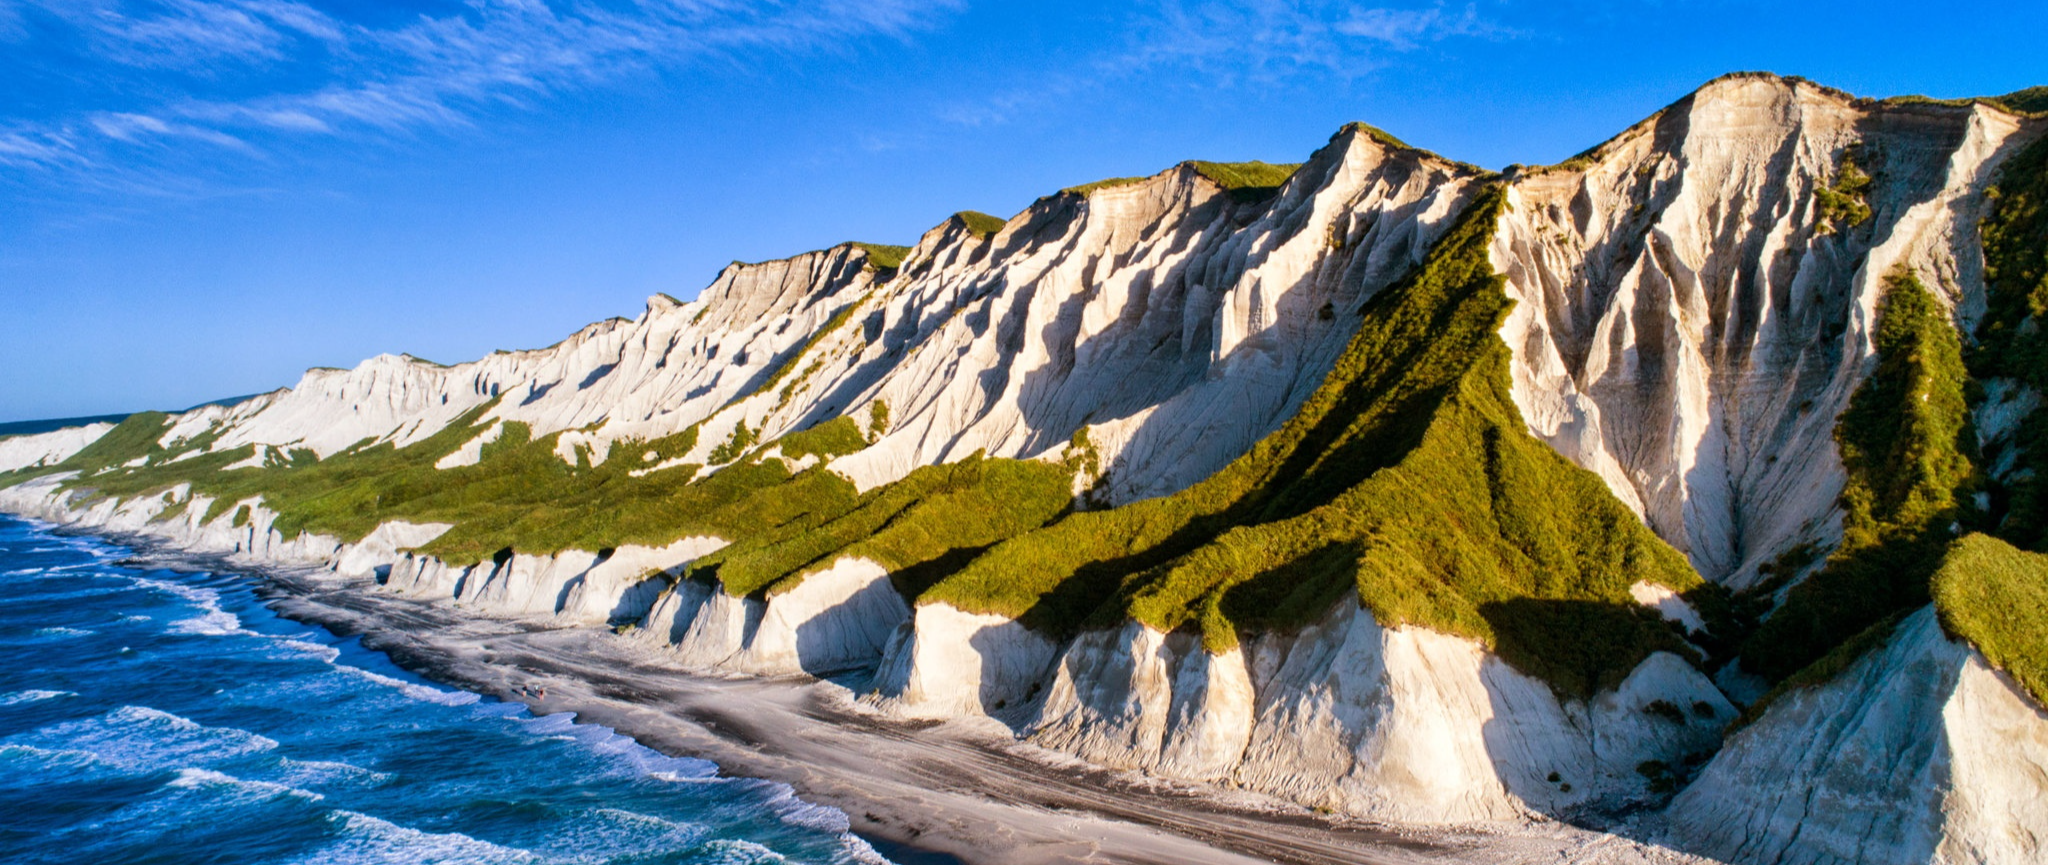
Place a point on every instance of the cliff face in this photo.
(1175, 321)
(1693, 306)
(1692, 320)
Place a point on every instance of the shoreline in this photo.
(921, 792)
(930, 793)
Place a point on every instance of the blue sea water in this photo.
(150, 716)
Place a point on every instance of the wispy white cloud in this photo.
(186, 34)
(1269, 39)
(298, 70)
(1239, 42)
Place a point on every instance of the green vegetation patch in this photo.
(1408, 480)
(836, 437)
(2032, 100)
(878, 419)
(883, 257)
(2010, 342)
(132, 439)
(1906, 443)
(1385, 138)
(735, 445)
(1843, 203)
(1247, 180)
(520, 496)
(919, 528)
(980, 224)
(1996, 597)
(1087, 189)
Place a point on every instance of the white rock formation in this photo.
(1398, 724)
(1688, 327)
(48, 449)
(1918, 753)
(372, 556)
(944, 663)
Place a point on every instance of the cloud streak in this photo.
(1232, 43)
(231, 73)
(1273, 39)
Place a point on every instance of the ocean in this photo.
(153, 716)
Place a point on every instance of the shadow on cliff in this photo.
(1580, 647)
(851, 634)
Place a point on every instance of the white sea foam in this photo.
(858, 850)
(625, 751)
(213, 621)
(32, 765)
(728, 851)
(62, 632)
(327, 773)
(796, 812)
(323, 652)
(560, 725)
(610, 833)
(367, 840)
(214, 624)
(238, 788)
(16, 698)
(415, 691)
(139, 737)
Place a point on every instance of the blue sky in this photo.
(201, 198)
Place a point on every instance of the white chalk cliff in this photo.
(1688, 325)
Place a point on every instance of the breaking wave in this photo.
(199, 727)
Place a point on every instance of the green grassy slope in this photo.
(522, 496)
(1996, 596)
(1245, 180)
(980, 224)
(882, 256)
(1408, 479)
(916, 527)
(519, 496)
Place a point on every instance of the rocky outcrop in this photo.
(607, 587)
(834, 619)
(945, 663)
(1918, 753)
(1175, 321)
(1399, 724)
